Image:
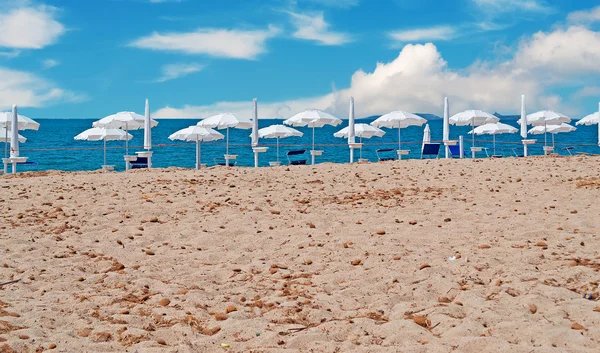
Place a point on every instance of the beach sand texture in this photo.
(330, 258)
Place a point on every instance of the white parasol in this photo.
(125, 121)
(104, 134)
(398, 120)
(226, 121)
(494, 129)
(197, 134)
(23, 123)
(313, 118)
(278, 131)
(362, 131)
(473, 118)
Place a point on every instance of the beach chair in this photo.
(455, 151)
(487, 154)
(517, 154)
(430, 149)
(222, 162)
(570, 150)
(140, 162)
(296, 155)
(383, 154)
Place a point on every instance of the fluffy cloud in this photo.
(571, 51)
(238, 44)
(174, 71)
(423, 34)
(314, 27)
(29, 27)
(28, 90)
(417, 80)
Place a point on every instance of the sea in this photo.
(53, 147)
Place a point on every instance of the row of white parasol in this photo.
(311, 118)
(480, 121)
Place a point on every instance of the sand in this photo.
(405, 256)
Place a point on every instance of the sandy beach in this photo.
(489, 255)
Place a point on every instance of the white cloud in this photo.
(272, 110)
(571, 51)
(238, 44)
(174, 71)
(28, 90)
(417, 80)
(29, 27)
(588, 91)
(585, 16)
(163, 1)
(10, 54)
(50, 63)
(423, 34)
(504, 6)
(314, 27)
(335, 3)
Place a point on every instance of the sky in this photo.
(192, 58)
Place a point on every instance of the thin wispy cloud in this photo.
(314, 27)
(163, 1)
(225, 43)
(589, 91)
(585, 16)
(174, 71)
(29, 27)
(50, 63)
(498, 7)
(437, 33)
(345, 4)
(10, 54)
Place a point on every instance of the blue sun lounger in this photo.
(296, 160)
(430, 149)
(455, 151)
(140, 162)
(383, 154)
(222, 162)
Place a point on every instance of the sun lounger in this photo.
(296, 155)
(430, 149)
(140, 162)
(570, 150)
(223, 162)
(27, 163)
(383, 154)
(455, 151)
(493, 155)
(517, 154)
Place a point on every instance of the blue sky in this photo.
(73, 59)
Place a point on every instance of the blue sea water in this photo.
(54, 148)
